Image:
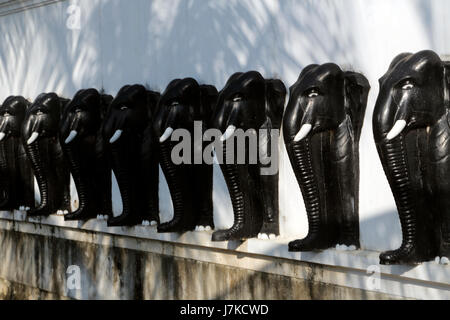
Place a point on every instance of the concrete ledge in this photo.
(342, 269)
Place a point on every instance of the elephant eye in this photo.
(123, 108)
(312, 93)
(407, 85)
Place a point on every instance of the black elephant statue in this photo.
(322, 128)
(249, 103)
(40, 133)
(412, 134)
(16, 176)
(134, 153)
(85, 151)
(183, 105)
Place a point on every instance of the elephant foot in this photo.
(121, 221)
(205, 223)
(269, 230)
(149, 223)
(203, 228)
(236, 233)
(310, 243)
(39, 212)
(348, 243)
(444, 255)
(407, 254)
(177, 225)
(344, 247)
(150, 220)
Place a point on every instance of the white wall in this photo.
(152, 42)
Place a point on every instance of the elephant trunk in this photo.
(394, 158)
(182, 203)
(169, 125)
(40, 172)
(73, 153)
(247, 208)
(301, 157)
(121, 168)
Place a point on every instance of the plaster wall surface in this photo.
(45, 47)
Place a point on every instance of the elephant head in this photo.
(16, 176)
(322, 127)
(40, 135)
(84, 149)
(183, 104)
(411, 130)
(124, 128)
(248, 103)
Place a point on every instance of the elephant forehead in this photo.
(15, 105)
(322, 80)
(247, 83)
(413, 65)
(46, 102)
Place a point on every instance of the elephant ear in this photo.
(105, 101)
(447, 84)
(356, 93)
(152, 101)
(63, 103)
(275, 100)
(209, 96)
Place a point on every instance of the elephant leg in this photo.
(269, 189)
(102, 179)
(269, 193)
(203, 206)
(150, 187)
(439, 185)
(153, 182)
(180, 192)
(441, 197)
(40, 172)
(345, 165)
(5, 178)
(59, 178)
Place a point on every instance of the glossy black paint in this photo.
(248, 101)
(183, 102)
(16, 177)
(85, 152)
(414, 96)
(328, 105)
(45, 153)
(131, 147)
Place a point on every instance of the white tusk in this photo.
(116, 136)
(72, 135)
(2, 136)
(228, 133)
(399, 126)
(303, 133)
(33, 138)
(166, 135)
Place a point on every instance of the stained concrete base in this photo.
(34, 267)
(47, 258)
